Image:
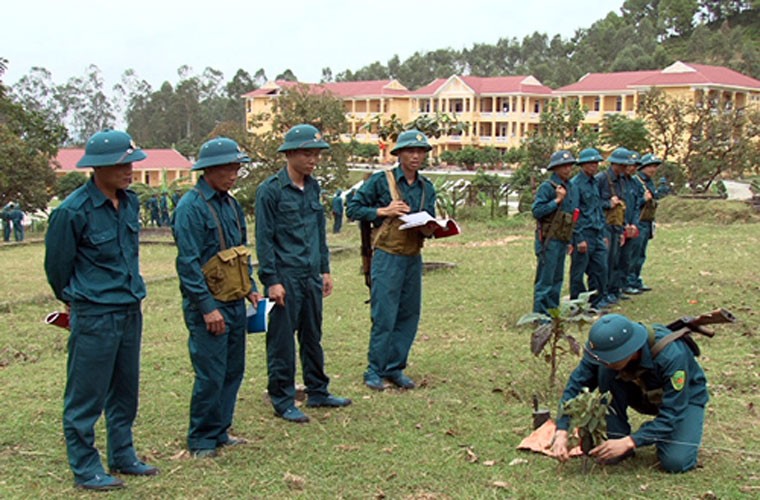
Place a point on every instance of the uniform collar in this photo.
(285, 180)
(557, 179)
(207, 191)
(97, 196)
(398, 173)
(643, 176)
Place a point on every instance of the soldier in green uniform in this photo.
(555, 210)
(396, 272)
(590, 255)
(633, 204)
(5, 214)
(209, 226)
(92, 265)
(647, 196)
(337, 210)
(651, 375)
(294, 265)
(612, 191)
(17, 218)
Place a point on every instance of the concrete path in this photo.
(738, 190)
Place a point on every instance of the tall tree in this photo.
(28, 142)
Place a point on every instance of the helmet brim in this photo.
(635, 342)
(111, 159)
(225, 159)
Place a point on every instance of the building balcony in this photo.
(485, 138)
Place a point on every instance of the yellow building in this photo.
(605, 93)
(502, 111)
(498, 111)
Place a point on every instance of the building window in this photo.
(619, 103)
(597, 103)
(537, 107)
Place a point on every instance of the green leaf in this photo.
(532, 318)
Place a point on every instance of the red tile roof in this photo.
(157, 159)
(491, 85)
(677, 74)
(597, 82)
(367, 88)
(680, 74)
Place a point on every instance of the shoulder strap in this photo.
(392, 186)
(222, 242)
(656, 346)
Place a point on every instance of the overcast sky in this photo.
(156, 37)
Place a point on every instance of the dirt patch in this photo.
(501, 242)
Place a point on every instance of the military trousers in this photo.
(591, 263)
(337, 222)
(6, 230)
(639, 255)
(102, 373)
(302, 316)
(219, 365)
(677, 452)
(396, 303)
(613, 235)
(549, 272)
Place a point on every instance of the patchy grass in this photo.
(454, 437)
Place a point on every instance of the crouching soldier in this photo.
(651, 374)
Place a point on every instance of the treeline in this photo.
(646, 34)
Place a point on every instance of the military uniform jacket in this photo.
(591, 219)
(197, 237)
(633, 202)
(639, 182)
(545, 203)
(290, 229)
(674, 370)
(610, 184)
(375, 194)
(92, 250)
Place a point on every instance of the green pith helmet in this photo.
(108, 148)
(220, 151)
(562, 157)
(613, 338)
(411, 139)
(303, 136)
(620, 157)
(634, 158)
(589, 155)
(649, 159)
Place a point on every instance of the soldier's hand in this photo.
(254, 298)
(561, 192)
(570, 249)
(277, 294)
(214, 322)
(582, 247)
(647, 195)
(614, 201)
(612, 448)
(327, 285)
(394, 209)
(559, 446)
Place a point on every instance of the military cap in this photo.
(411, 139)
(620, 156)
(108, 148)
(220, 151)
(303, 136)
(649, 159)
(589, 155)
(613, 338)
(562, 157)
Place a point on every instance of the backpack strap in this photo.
(656, 346)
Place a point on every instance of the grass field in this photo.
(453, 437)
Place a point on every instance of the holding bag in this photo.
(226, 273)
